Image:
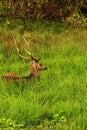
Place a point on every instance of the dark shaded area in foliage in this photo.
(57, 10)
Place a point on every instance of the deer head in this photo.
(35, 66)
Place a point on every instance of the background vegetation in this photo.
(55, 10)
(57, 30)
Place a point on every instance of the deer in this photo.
(35, 67)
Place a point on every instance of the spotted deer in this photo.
(35, 66)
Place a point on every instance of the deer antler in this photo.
(28, 43)
(28, 52)
(19, 50)
(31, 54)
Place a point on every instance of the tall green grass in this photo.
(58, 100)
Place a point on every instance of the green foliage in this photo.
(58, 99)
(10, 123)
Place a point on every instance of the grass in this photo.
(58, 100)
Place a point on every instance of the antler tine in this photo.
(31, 54)
(28, 52)
(19, 50)
(28, 44)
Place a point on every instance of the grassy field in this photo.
(58, 100)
